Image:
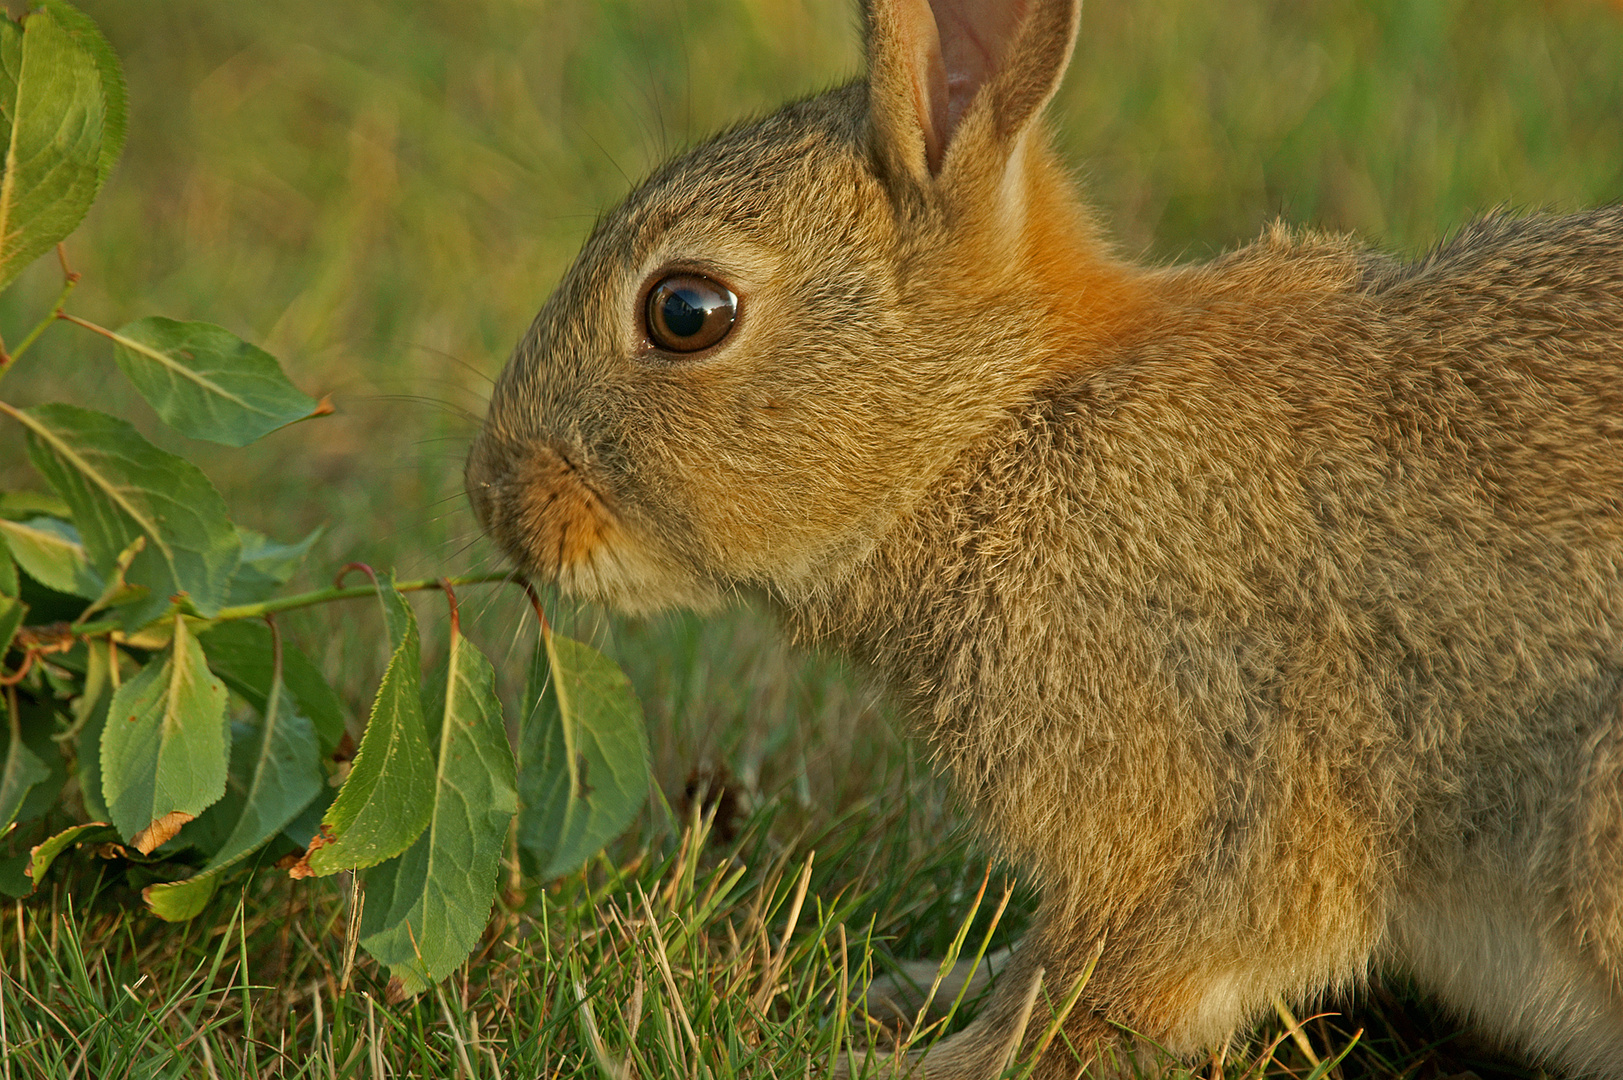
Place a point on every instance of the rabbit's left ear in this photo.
(936, 65)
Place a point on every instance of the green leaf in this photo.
(115, 98)
(285, 777)
(163, 751)
(583, 756)
(426, 910)
(61, 121)
(389, 797)
(20, 770)
(206, 382)
(39, 725)
(177, 901)
(52, 554)
(266, 565)
(240, 653)
(122, 487)
(42, 855)
(12, 612)
(9, 585)
(90, 717)
(14, 879)
(22, 505)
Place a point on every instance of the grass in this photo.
(382, 193)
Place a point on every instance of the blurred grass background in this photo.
(383, 192)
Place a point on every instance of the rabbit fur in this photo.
(1267, 612)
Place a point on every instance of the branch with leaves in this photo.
(139, 653)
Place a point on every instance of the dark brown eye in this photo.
(687, 312)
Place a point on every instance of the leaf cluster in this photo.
(145, 689)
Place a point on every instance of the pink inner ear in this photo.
(975, 36)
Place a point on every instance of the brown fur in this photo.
(1270, 611)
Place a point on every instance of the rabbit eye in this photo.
(687, 312)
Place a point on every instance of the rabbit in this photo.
(1268, 612)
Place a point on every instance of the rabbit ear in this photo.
(931, 61)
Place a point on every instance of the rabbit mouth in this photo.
(544, 513)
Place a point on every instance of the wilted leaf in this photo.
(20, 770)
(426, 910)
(43, 854)
(163, 751)
(52, 554)
(206, 382)
(122, 487)
(240, 653)
(62, 122)
(388, 799)
(583, 752)
(266, 565)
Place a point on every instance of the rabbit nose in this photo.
(542, 508)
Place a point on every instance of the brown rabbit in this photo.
(1269, 612)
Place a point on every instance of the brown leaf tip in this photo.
(300, 868)
(160, 831)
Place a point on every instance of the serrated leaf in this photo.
(164, 749)
(426, 909)
(266, 565)
(121, 487)
(583, 749)
(51, 553)
(387, 801)
(240, 653)
(20, 770)
(206, 382)
(284, 777)
(59, 131)
(115, 97)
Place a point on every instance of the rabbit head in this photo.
(769, 350)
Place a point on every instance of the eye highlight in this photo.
(689, 312)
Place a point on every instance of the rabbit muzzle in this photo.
(537, 503)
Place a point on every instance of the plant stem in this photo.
(70, 278)
(39, 327)
(309, 599)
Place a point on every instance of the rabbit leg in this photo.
(1510, 963)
